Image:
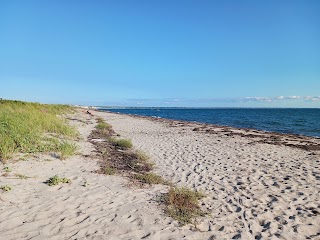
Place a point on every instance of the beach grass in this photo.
(103, 129)
(142, 156)
(21, 176)
(122, 143)
(109, 171)
(182, 204)
(66, 149)
(149, 178)
(32, 128)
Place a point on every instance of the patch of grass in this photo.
(31, 127)
(103, 125)
(55, 180)
(21, 176)
(103, 129)
(100, 119)
(109, 171)
(7, 169)
(7, 148)
(122, 143)
(143, 161)
(182, 204)
(142, 156)
(6, 188)
(104, 152)
(67, 149)
(149, 178)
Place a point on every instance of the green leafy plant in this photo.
(6, 188)
(55, 180)
(7, 169)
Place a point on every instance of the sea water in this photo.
(304, 121)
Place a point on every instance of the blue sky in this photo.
(161, 53)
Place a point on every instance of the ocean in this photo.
(293, 121)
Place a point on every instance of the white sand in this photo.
(253, 190)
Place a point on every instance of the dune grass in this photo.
(149, 178)
(102, 125)
(21, 176)
(109, 171)
(122, 143)
(182, 204)
(66, 149)
(103, 129)
(32, 127)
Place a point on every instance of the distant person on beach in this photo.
(89, 112)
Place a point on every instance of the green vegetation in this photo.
(109, 171)
(7, 169)
(21, 176)
(103, 129)
(6, 188)
(103, 125)
(182, 204)
(142, 156)
(118, 157)
(55, 180)
(149, 178)
(67, 149)
(122, 143)
(32, 127)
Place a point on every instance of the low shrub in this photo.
(6, 188)
(122, 143)
(182, 204)
(7, 169)
(55, 180)
(109, 171)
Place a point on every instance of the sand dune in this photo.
(255, 190)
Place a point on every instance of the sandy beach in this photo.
(258, 185)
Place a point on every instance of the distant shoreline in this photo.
(175, 117)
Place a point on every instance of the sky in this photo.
(161, 53)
